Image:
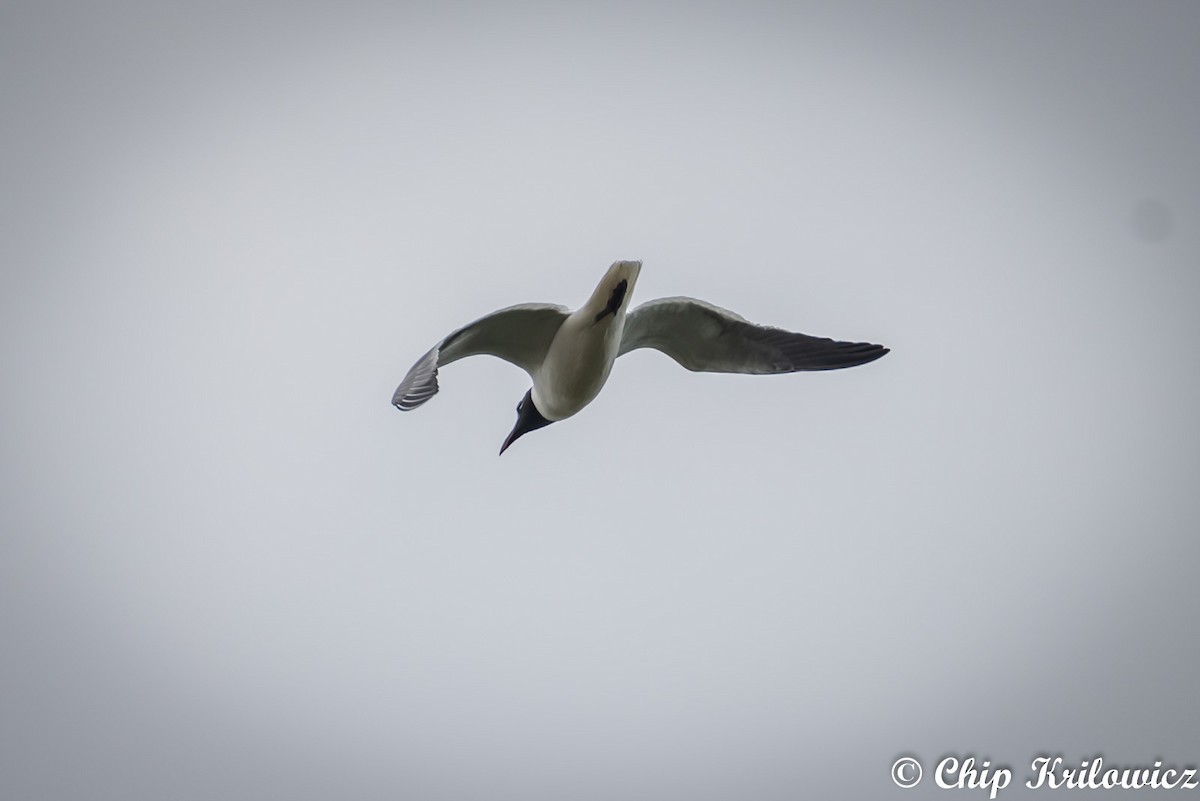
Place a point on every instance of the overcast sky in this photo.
(230, 569)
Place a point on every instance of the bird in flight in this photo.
(569, 355)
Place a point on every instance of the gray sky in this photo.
(229, 568)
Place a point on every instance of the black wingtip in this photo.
(840, 356)
(877, 352)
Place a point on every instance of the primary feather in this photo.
(706, 338)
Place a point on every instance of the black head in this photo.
(528, 419)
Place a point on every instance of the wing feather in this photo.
(706, 338)
(519, 334)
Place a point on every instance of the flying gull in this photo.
(570, 354)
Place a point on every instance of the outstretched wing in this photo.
(706, 338)
(519, 334)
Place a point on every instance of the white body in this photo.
(582, 353)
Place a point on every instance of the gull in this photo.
(569, 354)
